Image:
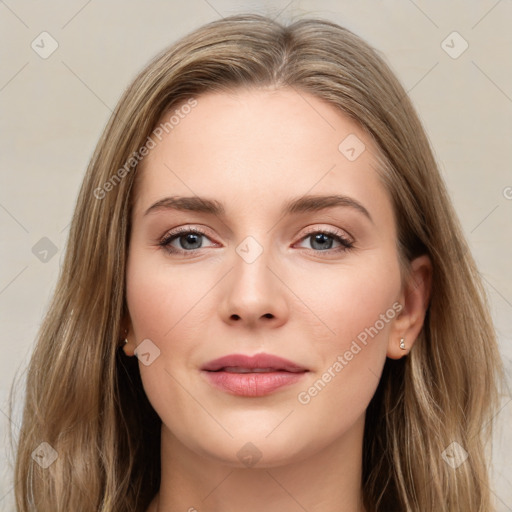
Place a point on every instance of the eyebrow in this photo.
(309, 203)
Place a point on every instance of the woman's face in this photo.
(317, 283)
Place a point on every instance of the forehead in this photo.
(259, 147)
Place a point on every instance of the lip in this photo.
(233, 374)
(261, 360)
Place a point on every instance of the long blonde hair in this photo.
(85, 398)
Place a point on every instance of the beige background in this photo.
(54, 109)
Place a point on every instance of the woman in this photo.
(263, 225)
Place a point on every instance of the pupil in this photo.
(190, 239)
(321, 238)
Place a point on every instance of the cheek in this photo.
(345, 302)
(357, 311)
(160, 297)
(161, 304)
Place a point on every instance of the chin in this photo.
(254, 451)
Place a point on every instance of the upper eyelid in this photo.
(182, 230)
(331, 231)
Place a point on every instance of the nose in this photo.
(254, 293)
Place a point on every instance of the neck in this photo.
(329, 480)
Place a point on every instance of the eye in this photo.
(188, 240)
(322, 240)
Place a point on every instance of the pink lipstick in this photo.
(252, 376)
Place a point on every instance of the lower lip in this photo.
(252, 384)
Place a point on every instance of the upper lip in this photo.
(267, 361)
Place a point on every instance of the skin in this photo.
(253, 150)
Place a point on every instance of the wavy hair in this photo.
(85, 398)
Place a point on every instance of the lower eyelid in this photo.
(345, 242)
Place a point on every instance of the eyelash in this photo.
(346, 244)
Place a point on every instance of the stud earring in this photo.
(124, 341)
(402, 343)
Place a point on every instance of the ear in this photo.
(414, 297)
(127, 334)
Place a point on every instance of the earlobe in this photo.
(127, 349)
(398, 347)
(125, 337)
(415, 298)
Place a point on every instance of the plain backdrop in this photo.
(54, 107)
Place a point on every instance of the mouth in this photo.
(252, 376)
(241, 369)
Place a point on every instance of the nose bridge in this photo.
(254, 293)
(252, 263)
